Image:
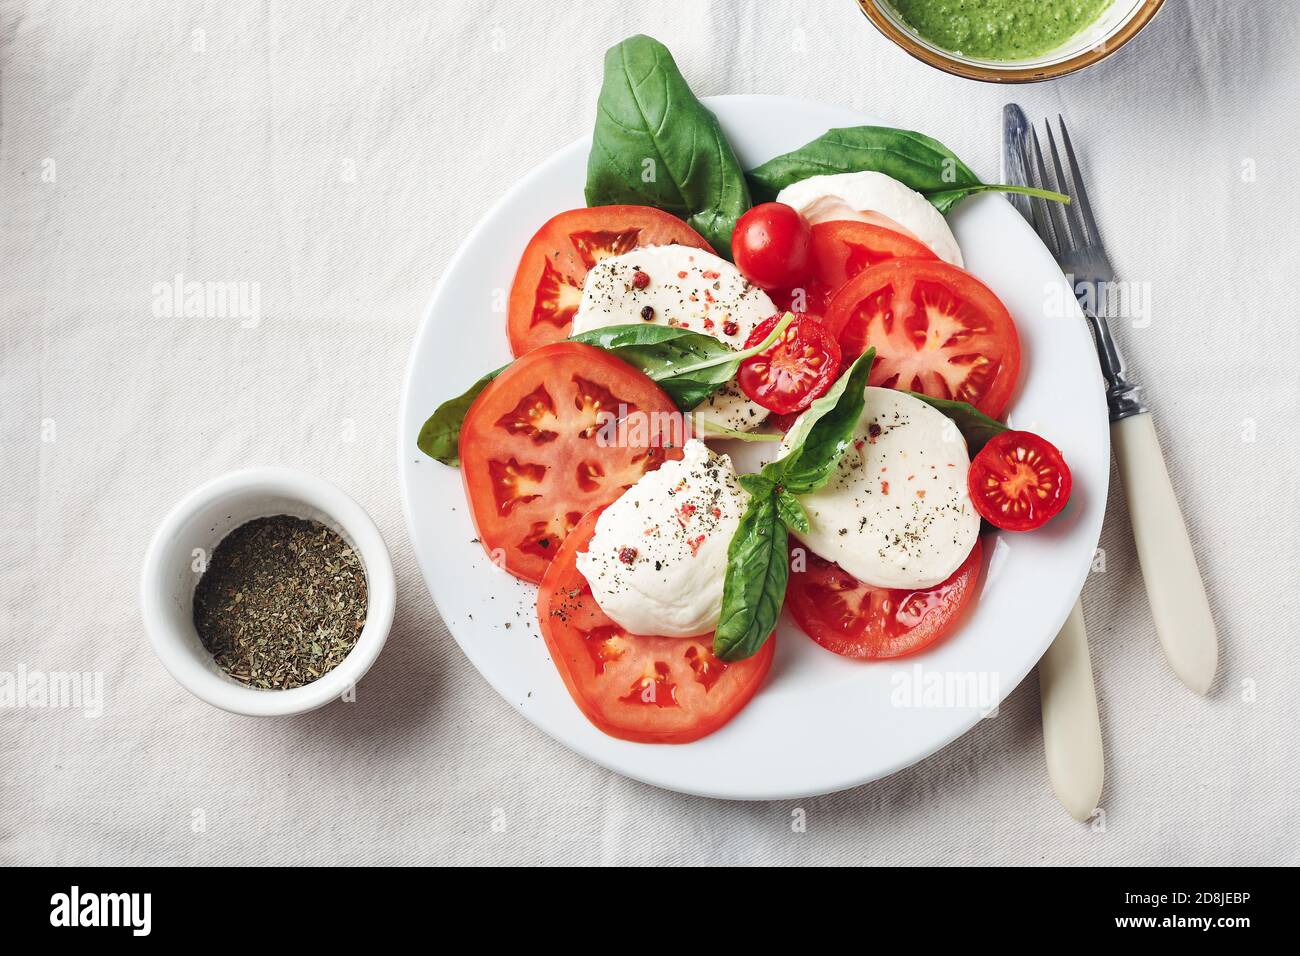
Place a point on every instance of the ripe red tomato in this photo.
(811, 298)
(853, 619)
(799, 368)
(936, 329)
(1018, 481)
(843, 248)
(548, 283)
(782, 423)
(770, 246)
(665, 690)
(536, 453)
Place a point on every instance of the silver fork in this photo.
(1173, 581)
(1078, 248)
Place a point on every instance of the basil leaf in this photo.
(753, 588)
(688, 366)
(712, 429)
(655, 144)
(635, 335)
(687, 392)
(791, 511)
(788, 507)
(976, 427)
(914, 159)
(756, 484)
(440, 435)
(661, 351)
(945, 200)
(824, 431)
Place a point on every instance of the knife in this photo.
(1071, 724)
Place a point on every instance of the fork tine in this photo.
(1079, 239)
(1038, 179)
(1079, 195)
(1053, 212)
(1061, 216)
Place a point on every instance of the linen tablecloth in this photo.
(334, 155)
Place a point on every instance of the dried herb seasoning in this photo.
(282, 602)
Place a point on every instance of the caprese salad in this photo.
(832, 321)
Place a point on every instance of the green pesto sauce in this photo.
(999, 29)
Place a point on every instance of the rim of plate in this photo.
(832, 781)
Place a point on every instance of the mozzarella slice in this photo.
(896, 513)
(850, 195)
(657, 559)
(688, 288)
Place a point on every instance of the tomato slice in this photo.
(783, 423)
(853, 619)
(842, 248)
(564, 429)
(548, 283)
(666, 690)
(810, 298)
(936, 329)
(799, 368)
(1018, 481)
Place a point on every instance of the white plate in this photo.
(822, 722)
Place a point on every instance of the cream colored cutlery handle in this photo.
(1071, 726)
(1174, 588)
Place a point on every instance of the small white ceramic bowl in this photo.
(200, 521)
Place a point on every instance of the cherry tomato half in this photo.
(1018, 481)
(770, 246)
(798, 369)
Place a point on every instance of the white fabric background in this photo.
(231, 163)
